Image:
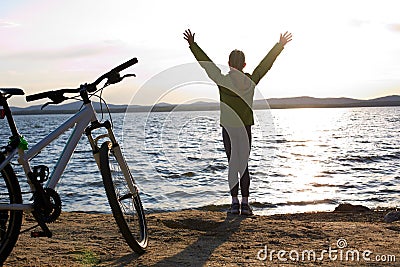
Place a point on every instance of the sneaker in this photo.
(234, 208)
(246, 210)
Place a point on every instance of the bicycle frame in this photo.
(79, 122)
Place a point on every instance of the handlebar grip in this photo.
(34, 97)
(125, 65)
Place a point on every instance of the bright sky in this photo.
(340, 48)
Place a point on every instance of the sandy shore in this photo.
(210, 238)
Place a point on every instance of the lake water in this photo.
(301, 159)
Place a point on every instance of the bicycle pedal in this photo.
(41, 234)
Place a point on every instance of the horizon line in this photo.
(217, 101)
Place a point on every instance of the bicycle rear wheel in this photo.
(123, 197)
(10, 220)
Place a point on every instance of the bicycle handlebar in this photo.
(57, 95)
(125, 65)
(51, 94)
(38, 96)
(116, 70)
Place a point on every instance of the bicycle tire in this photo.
(126, 207)
(10, 220)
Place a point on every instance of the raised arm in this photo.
(266, 64)
(212, 70)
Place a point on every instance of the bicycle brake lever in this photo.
(129, 75)
(45, 105)
(116, 78)
(54, 102)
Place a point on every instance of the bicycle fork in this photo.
(94, 141)
(116, 150)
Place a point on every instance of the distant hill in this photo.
(312, 102)
(273, 103)
(280, 103)
(65, 108)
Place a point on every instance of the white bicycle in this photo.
(45, 204)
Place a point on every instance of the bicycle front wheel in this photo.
(10, 220)
(123, 197)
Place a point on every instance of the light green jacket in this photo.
(236, 89)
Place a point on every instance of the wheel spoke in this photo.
(126, 205)
(126, 196)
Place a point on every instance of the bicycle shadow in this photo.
(215, 234)
(212, 235)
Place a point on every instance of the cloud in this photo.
(76, 51)
(359, 22)
(7, 24)
(394, 27)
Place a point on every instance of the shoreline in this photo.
(208, 238)
(258, 209)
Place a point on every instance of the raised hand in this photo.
(285, 38)
(188, 36)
